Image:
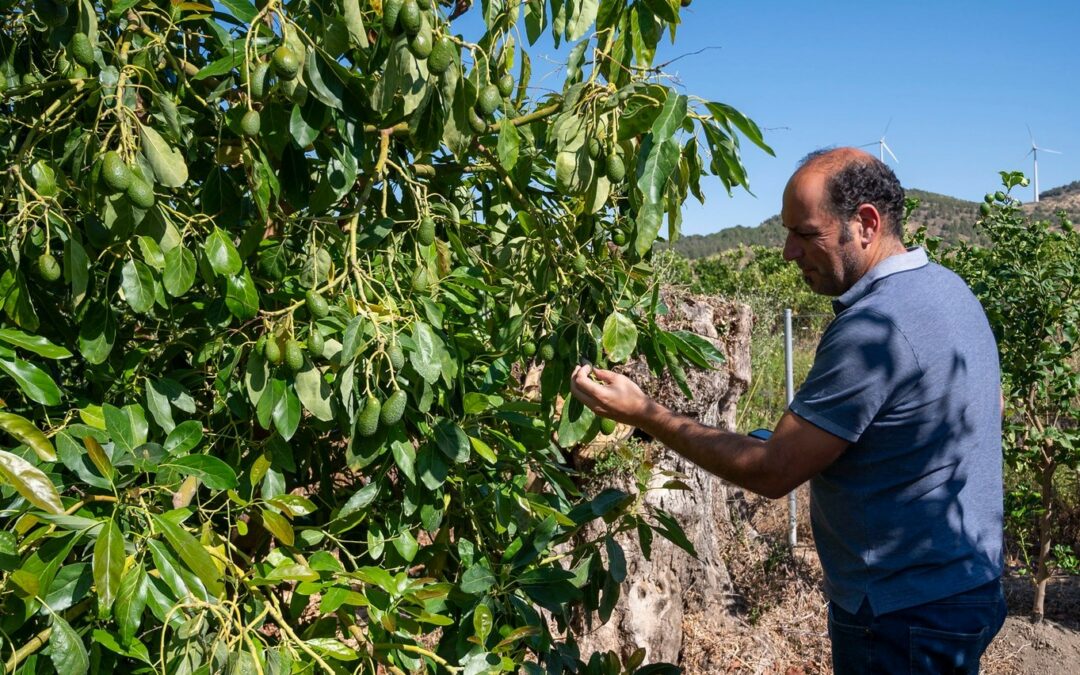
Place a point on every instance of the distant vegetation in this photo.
(951, 219)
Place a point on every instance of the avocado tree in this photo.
(1028, 281)
(270, 279)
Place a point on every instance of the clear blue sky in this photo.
(959, 80)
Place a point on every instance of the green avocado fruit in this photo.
(607, 426)
(294, 356)
(286, 63)
(81, 49)
(442, 55)
(367, 422)
(48, 269)
(425, 234)
(391, 11)
(251, 123)
(614, 168)
(272, 351)
(258, 80)
(140, 193)
(420, 44)
(395, 354)
(315, 342)
(51, 13)
(316, 304)
(489, 100)
(410, 17)
(505, 84)
(394, 408)
(116, 174)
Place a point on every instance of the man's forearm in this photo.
(738, 459)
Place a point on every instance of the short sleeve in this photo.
(862, 362)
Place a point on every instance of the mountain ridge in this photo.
(950, 218)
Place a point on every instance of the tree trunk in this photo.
(1042, 574)
(660, 590)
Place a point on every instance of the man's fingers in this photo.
(605, 376)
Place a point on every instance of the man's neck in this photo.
(887, 249)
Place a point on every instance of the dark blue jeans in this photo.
(944, 636)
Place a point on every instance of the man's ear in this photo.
(870, 224)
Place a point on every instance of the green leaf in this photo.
(314, 392)
(721, 111)
(167, 162)
(476, 580)
(184, 438)
(71, 584)
(245, 11)
(616, 559)
(482, 622)
(619, 337)
(214, 473)
(33, 381)
(130, 602)
(179, 272)
(427, 358)
(137, 283)
(97, 333)
(323, 80)
(508, 145)
(126, 426)
(332, 648)
(360, 500)
(194, 555)
(108, 565)
(33, 343)
(66, 649)
(583, 18)
(286, 413)
(575, 422)
(76, 270)
(354, 22)
(30, 482)
(406, 545)
(279, 527)
(484, 450)
(452, 441)
(241, 296)
(29, 435)
(222, 254)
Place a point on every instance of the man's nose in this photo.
(792, 250)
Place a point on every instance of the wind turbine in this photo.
(883, 147)
(1034, 152)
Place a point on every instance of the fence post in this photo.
(789, 373)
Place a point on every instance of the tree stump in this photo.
(660, 591)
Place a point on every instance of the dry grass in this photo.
(781, 621)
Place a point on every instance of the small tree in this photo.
(1028, 281)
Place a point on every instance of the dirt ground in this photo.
(780, 622)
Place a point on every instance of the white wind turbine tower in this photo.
(1034, 152)
(883, 147)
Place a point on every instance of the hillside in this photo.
(947, 217)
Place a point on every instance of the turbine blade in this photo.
(886, 132)
(1056, 152)
(889, 150)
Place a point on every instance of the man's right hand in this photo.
(611, 395)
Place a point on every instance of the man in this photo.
(897, 428)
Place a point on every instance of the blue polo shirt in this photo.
(907, 372)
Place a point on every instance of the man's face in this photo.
(813, 240)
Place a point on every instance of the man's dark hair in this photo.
(860, 179)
